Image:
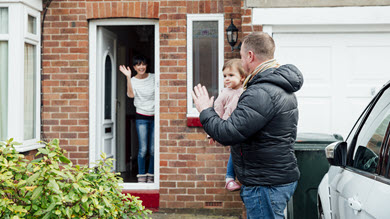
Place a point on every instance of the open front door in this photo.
(106, 93)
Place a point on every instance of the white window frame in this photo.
(191, 111)
(17, 37)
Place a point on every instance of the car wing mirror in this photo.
(336, 153)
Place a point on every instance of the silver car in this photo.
(357, 184)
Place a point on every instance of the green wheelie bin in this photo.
(312, 163)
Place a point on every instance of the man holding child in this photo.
(261, 130)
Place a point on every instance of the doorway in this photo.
(127, 38)
(132, 40)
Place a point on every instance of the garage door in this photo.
(342, 72)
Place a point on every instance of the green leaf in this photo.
(70, 176)
(53, 184)
(37, 160)
(95, 202)
(64, 159)
(60, 173)
(106, 202)
(68, 213)
(21, 183)
(18, 176)
(83, 190)
(76, 186)
(52, 154)
(78, 177)
(36, 168)
(51, 207)
(85, 206)
(47, 215)
(40, 212)
(77, 208)
(37, 192)
(84, 198)
(55, 141)
(43, 151)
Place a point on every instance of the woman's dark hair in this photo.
(138, 59)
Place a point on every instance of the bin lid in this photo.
(320, 138)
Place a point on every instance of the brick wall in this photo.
(192, 172)
(65, 78)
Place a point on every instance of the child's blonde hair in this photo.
(235, 63)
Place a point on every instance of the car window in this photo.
(356, 126)
(371, 136)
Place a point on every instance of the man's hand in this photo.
(201, 98)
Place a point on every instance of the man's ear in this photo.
(251, 56)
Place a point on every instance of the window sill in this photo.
(25, 148)
(193, 122)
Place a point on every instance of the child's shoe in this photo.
(232, 186)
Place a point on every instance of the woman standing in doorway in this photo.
(141, 88)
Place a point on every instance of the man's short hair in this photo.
(261, 44)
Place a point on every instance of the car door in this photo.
(359, 180)
(379, 197)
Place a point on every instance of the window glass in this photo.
(3, 20)
(29, 91)
(352, 133)
(371, 136)
(3, 89)
(205, 55)
(32, 24)
(107, 87)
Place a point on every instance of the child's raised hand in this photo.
(125, 70)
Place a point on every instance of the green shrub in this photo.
(51, 187)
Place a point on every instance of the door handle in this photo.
(355, 205)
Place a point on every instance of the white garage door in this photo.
(342, 72)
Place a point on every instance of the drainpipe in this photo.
(48, 2)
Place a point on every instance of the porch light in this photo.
(232, 36)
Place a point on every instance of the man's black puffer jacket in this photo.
(262, 129)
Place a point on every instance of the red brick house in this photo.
(64, 56)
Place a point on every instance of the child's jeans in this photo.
(230, 169)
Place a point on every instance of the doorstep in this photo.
(150, 198)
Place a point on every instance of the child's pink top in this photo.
(227, 101)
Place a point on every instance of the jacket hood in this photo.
(287, 77)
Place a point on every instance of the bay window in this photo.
(20, 73)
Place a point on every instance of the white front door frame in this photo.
(93, 24)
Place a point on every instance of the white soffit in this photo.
(310, 16)
(36, 4)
